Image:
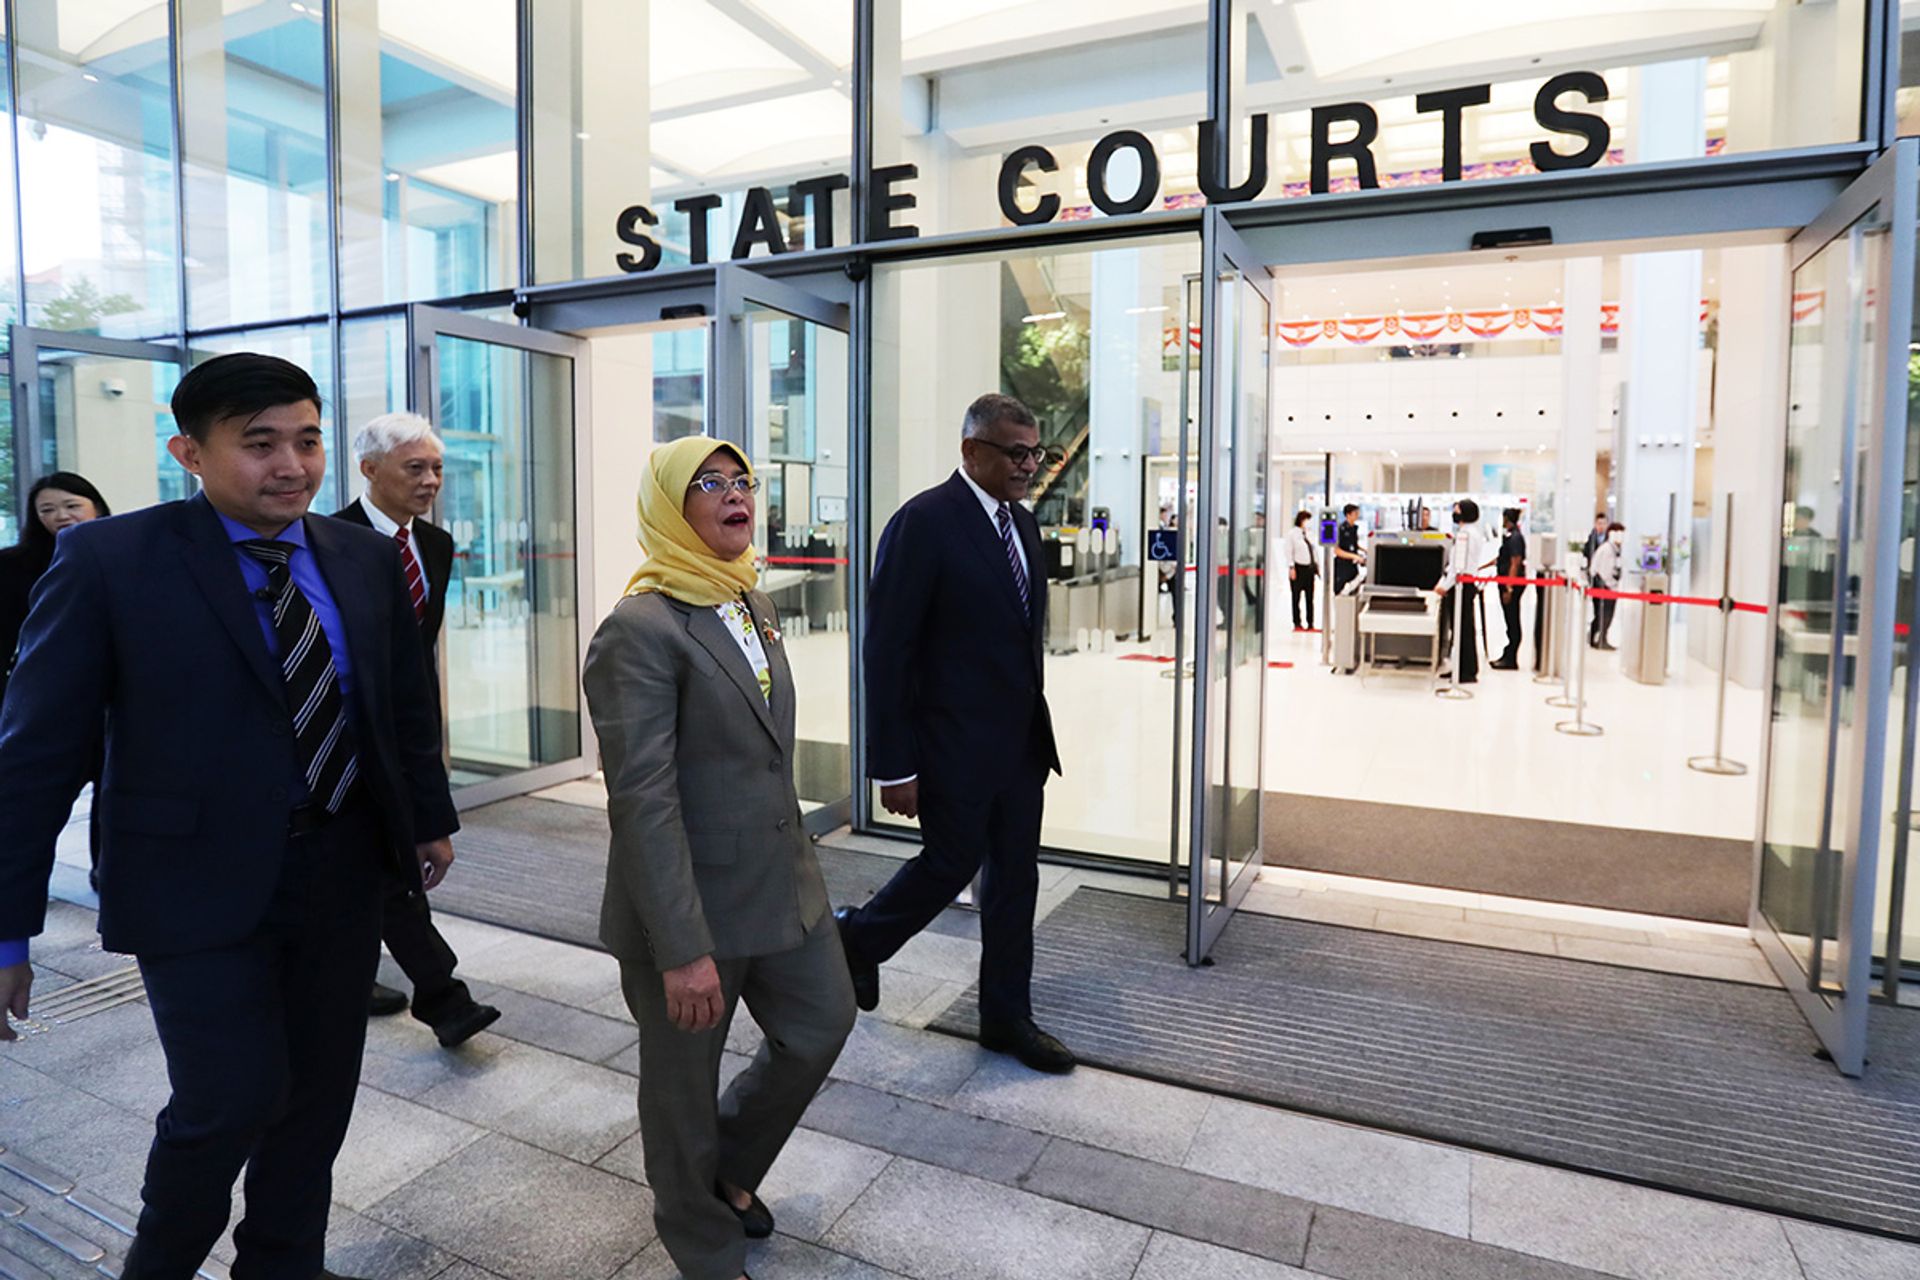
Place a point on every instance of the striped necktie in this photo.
(322, 742)
(1004, 518)
(416, 580)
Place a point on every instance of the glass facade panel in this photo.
(309, 347)
(109, 418)
(1831, 423)
(253, 125)
(679, 382)
(373, 380)
(1084, 338)
(959, 90)
(1426, 93)
(95, 135)
(429, 148)
(738, 103)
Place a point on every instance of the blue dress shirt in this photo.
(13, 952)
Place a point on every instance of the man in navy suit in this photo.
(958, 730)
(403, 463)
(272, 757)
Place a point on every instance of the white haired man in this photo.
(401, 458)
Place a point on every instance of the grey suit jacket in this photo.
(708, 855)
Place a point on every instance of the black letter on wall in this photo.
(1357, 148)
(1097, 172)
(627, 227)
(817, 192)
(696, 208)
(1011, 169)
(1593, 128)
(885, 201)
(1452, 103)
(1212, 171)
(758, 225)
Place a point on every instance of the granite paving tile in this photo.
(390, 1142)
(816, 1177)
(1171, 1257)
(906, 1127)
(1100, 1108)
(573, 1108)
(1357, 1246)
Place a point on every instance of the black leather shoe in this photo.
(866, 977)
(385, 1001)
(1034, 1047)
(463, 1025)
(756, 1219)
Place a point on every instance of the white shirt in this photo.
(384, 524)
(1468, 555)
(991, 505)
(739, 623)
(1299, 550)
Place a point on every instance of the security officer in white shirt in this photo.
(1468, 556)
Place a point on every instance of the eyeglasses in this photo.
(714, 482)
(1019, 453)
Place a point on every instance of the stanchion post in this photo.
(1576, 611)
(1718, 763)
(1452, 688)
(1557, 605)
(1578, 726)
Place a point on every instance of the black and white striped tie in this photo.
(321, 740)
(1004, 518)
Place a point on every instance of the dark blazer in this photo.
(145, 625)
(954, 668)
(18, 572)
(434, 546)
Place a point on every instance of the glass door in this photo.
(1834, 634)
(505, 401)
(1229, 605)
(99, 407)
(780, 390)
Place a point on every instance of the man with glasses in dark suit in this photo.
(958, 730)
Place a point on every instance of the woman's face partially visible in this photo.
(723, 519)
(56, 509)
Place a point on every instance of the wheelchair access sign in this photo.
(1163, 545)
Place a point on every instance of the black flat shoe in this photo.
(385, 1001)
(756, 1220)
(1032, 1046)
(866, 977)
(457, 1028)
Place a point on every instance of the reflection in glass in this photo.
(308, 347)
(1830, 424)
(511, 647)
(108, 418)
(95, 136)
(429, 149)
(650, 102)
(253, 121)
(679, 383)
(373, 378)
(797, 413)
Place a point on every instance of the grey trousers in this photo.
(693, 1137)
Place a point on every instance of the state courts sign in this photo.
(813, 198)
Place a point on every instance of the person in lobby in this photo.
(1465, 558)
(1603, 573)
(402, 460)
(1512, 564)
(56, 501)
(272, 754)
(1596, 535)
(1347, 555)
(713, 893)
(958, 730)
(1300, 569)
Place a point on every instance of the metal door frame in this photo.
(427, 323)
(1228, 260)
(737, 287)
(25, 345)
(1854, 788)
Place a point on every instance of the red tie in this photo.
(416, 580)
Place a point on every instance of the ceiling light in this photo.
(297, 7)
(393, 177)
(1037, 317)
(583, 135)
(1141, 311)
(89, 77)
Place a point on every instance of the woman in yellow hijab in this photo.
(713, 894)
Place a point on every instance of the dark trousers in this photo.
(263, 1041)
(1510, 609)
(406, 926)
(1301, 586)
(1602, 617)
(960, 832)
(1469, 641)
